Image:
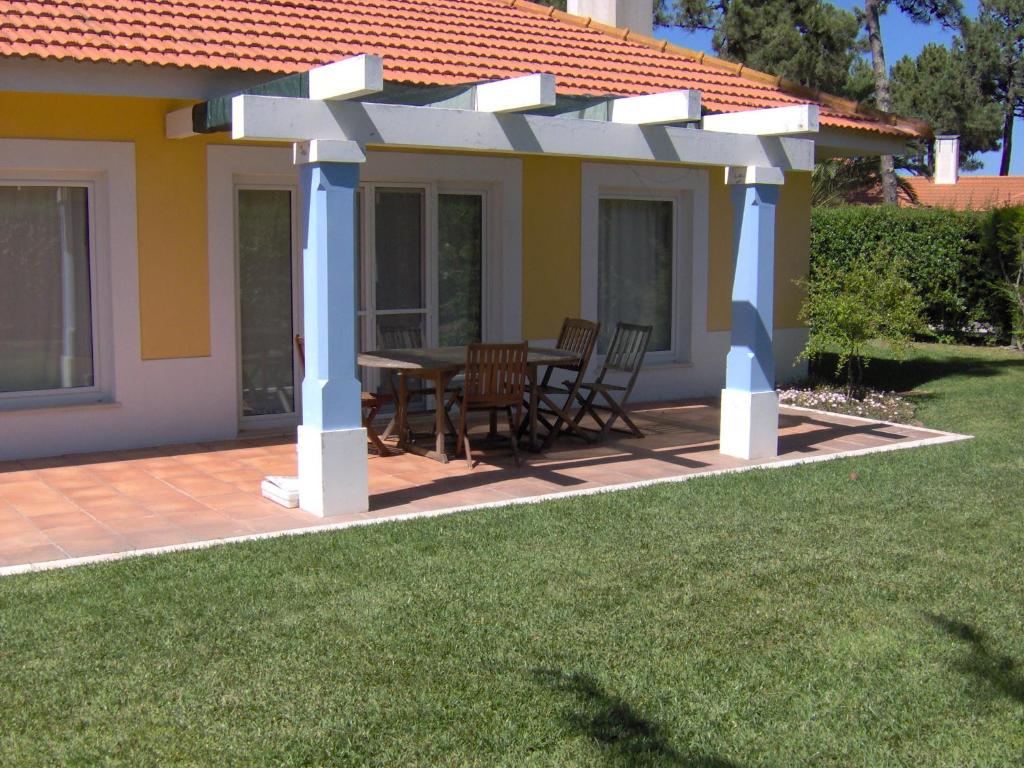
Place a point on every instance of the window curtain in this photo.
(45, 296)
(635, 268)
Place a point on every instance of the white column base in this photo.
(333, 471)
(750, 424)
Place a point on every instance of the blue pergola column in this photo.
(333, 473)
(750, 406)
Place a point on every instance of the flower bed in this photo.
(884, 406)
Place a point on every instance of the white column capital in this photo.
(327, 151)
(749, 174)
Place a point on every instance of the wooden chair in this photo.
(580, 337)
(495, 380)
(370, 405)
(625, 357)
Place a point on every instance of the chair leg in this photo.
(371, 433)
(462, 440)
(629, 422)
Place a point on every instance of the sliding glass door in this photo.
(267, 303)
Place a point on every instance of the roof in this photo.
(970, 192)
(424, 42)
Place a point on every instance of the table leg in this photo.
(534, 395)
(439, 425)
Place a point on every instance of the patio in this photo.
(96, 506)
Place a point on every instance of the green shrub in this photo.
(940, 253)
(1003, 244)
(852, 304)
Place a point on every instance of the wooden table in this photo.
(440, 365)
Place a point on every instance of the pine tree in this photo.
(943, 87)
(995, 45)
(947, 12)
(809, 41)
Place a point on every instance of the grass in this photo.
(861, 612)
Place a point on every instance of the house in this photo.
(948, 189)
(183, 187)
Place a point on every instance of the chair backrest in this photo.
(579, 336)
(401, 336)
(626, 352)
(495, 374)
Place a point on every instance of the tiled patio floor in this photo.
(80, 506)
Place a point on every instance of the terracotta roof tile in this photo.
(428, 42)
(970, 192)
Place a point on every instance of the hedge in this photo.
(951, 257)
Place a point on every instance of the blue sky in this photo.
(900, 37)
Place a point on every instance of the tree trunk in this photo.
(1004, 164)
(872, 21)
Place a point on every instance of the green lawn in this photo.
(861, 612)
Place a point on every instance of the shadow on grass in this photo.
(906, 375)
(1000, 672)
(624, 735)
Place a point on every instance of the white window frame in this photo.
(246, 182)
(686, 188)
(97, 204)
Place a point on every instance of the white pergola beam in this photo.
(347, 79)
(270, 118)
(178, 124)
(319, 151)
(517, 94)
(754, 175)
(778, 121)
(657, 108)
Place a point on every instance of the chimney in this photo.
(947, 159)
(638, 15)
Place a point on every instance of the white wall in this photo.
(139, 402)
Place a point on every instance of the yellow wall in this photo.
(171, 185)
(792, 250)
(551, 244)
(173, 271)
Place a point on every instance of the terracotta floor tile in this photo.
(14, 542)
(85, 546)
(61, 520)
(51, 507)
(163, 537)
(199, 516)
(36, 553)
(138, 524)
(202, 487)
(28, 491)
(216, 530)
(83, 529)
(230, 500)
(116, 501)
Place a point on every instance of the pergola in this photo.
(330, 130)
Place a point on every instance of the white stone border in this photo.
(939, 439)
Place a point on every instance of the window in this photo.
(460, 269)
(635, 255)
(266, 292)
(421, 266)
(46, 297)
(644, 256)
